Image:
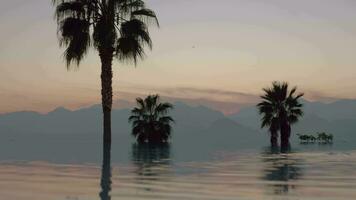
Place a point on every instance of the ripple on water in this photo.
(232, 175)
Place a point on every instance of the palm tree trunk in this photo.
(105, 181)
(274, 133)
(274, 139)
(285, 133)
(106, 57)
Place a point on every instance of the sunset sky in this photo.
(205, 50)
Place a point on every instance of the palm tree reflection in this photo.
(283, 169)
(153, 163)
(105, 181)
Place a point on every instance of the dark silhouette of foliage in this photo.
(304, 138)
(322, 137)
(325, 138)
(280, 108)
(150, 122)
(115, 28)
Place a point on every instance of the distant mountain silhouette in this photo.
(198, 131)
(226, 130)
(338, 117)
(342, 109)
(63, 135)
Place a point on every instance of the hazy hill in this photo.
(342, 109)
(191, 121)
(63, 135)
(87, 121)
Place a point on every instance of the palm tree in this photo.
(280, 108)
(150, 122)
(115, 28)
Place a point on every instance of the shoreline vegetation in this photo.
(321, 137)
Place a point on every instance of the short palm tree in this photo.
(115, 28)
(280, 108)
(150, 122)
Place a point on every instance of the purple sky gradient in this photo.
(224, 47)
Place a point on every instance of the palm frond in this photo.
(129, 49)
(137, 30)
(163, 108)
(74, 34)
(140, 102)
(146, 15)
(133, 118)
(125, 7)
(166, 120)
(71, 9)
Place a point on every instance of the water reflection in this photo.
(282, 169)
(153, 163)
(151, 174)
(105, 181)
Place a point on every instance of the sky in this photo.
(218, 53)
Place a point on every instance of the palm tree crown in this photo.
(117, 26)
(280, 108)
(150, 122)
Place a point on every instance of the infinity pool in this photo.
(153, 173)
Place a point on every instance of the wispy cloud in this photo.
(220, 95)
(225, 101)
(126, 99)
(192, 93)
(319, 96)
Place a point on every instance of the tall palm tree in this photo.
(150, 122)
(115, 28)
(280, 108)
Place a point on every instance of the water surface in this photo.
(154, 173)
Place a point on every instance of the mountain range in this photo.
(197, 131)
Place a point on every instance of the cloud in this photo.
(192, 93)
(319, 96)
(228, 102)
(214, 94)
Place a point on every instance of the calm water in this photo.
(154, 173)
